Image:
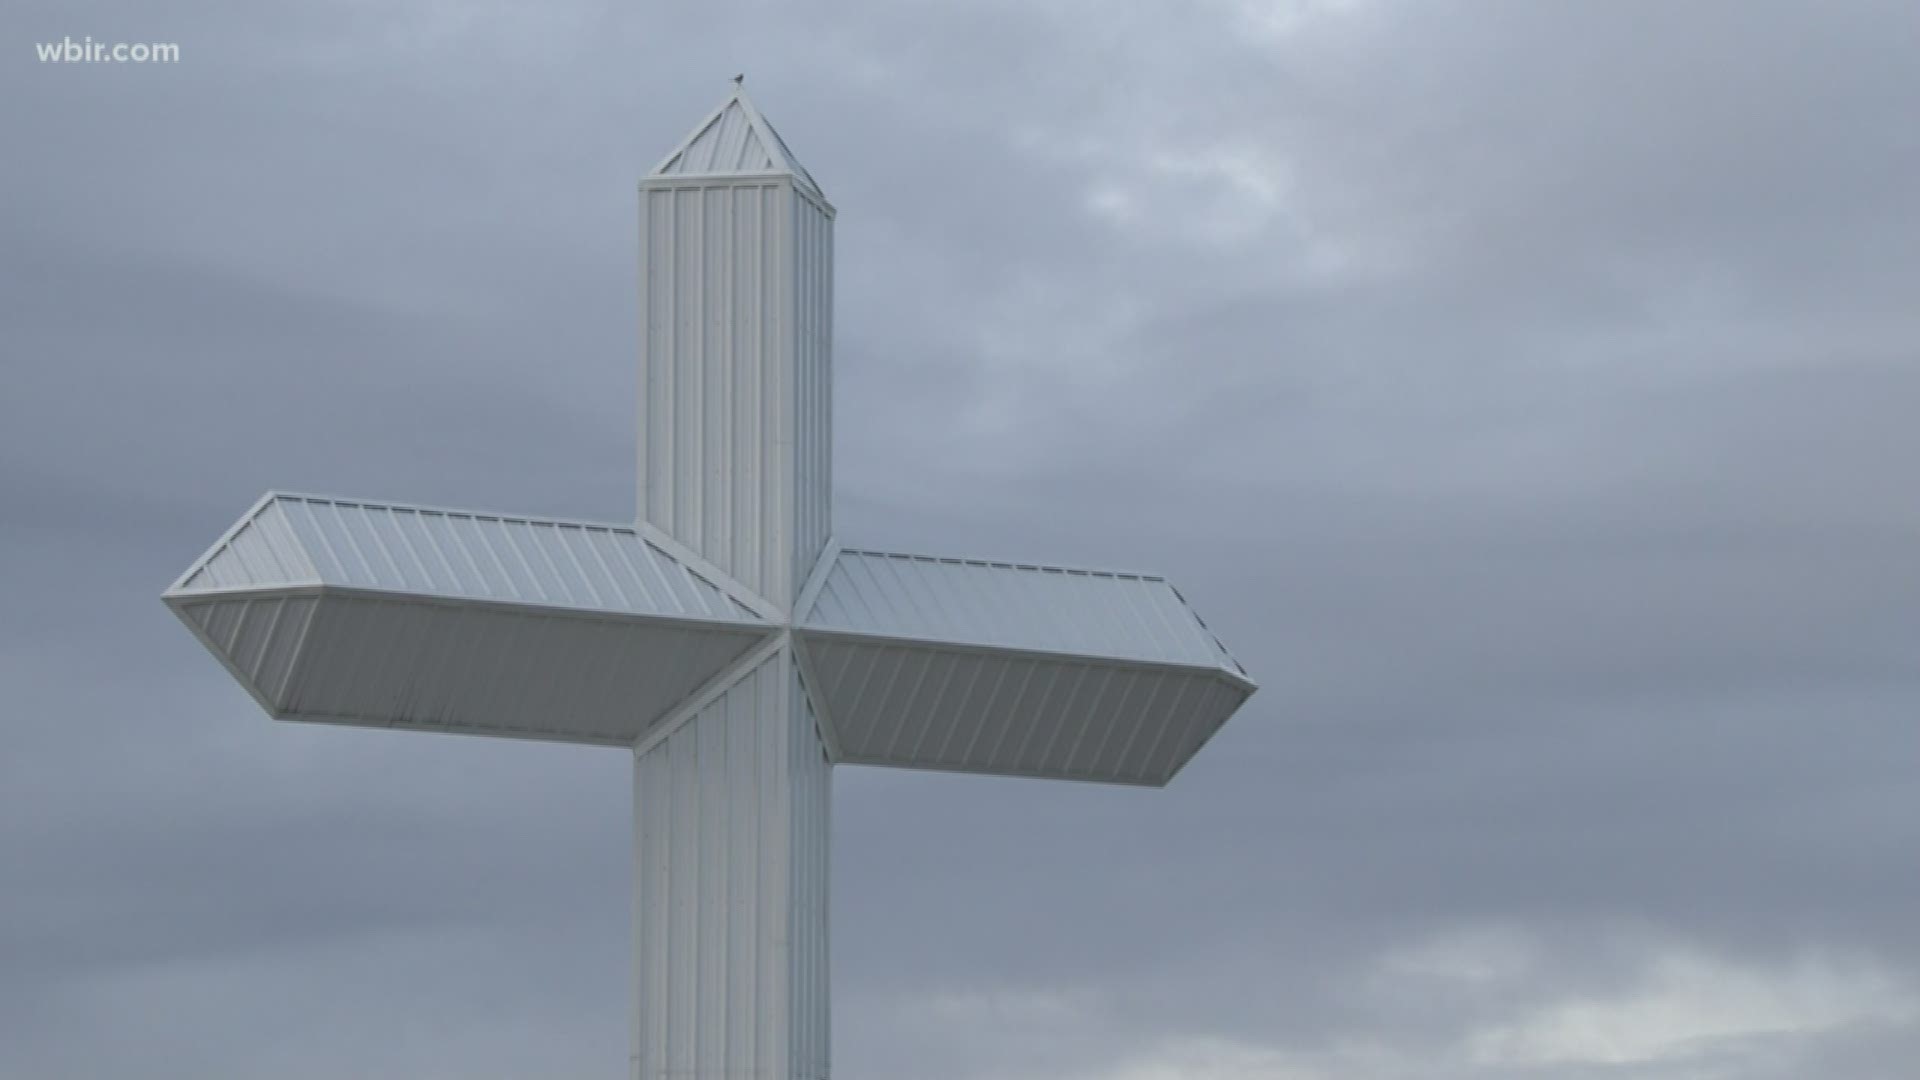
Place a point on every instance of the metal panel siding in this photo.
(813, 386)
(807, 914)
(734, 417)
(300, 540)
(496, 670)
(726, 144)
(790, 160)
(261, 549)
(1004, 605)
(257, 637)
(734, 139)
(921, 705)
(730, 864)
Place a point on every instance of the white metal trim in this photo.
(425, 599)
(699, 129)
(1023, 652)
(776, 146)
(652, 534)
(709, 693)
(817, 200)
(756, 178)
(309, 716)
(1007, 564)
(1017, 773)
(816, 581)
(1207, 630)
(220, 653)
(260, 504)
(483, 514)
(457, 511)
(719, 578)
(817, 696)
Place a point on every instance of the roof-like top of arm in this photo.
(1014, 606)
(292, 540)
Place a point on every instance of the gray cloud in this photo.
(1521, 391)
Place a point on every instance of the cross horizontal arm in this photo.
(440, 620)
(1005, 668)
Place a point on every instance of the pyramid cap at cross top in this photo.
(726, 638)
(734, 139)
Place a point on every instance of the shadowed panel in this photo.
(396, 660)
(917, 704)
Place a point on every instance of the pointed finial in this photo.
(740, 80)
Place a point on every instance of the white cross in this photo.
(727, 640)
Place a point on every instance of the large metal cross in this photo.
(727, 640)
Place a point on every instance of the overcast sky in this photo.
(1528, 392)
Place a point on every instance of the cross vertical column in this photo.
(731, 851)
(731, 809)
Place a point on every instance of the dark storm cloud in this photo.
(1522, 391)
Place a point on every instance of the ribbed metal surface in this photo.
(928, 706)
(1006, 605)
(480, 669)
(263, 549)
(813, 385)
(792, 162)
(734, 139)
(257, 637)
(735, 409)
(730, 928)
(298, 540)
(716, 423)
(727, 144)
(807, 922)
